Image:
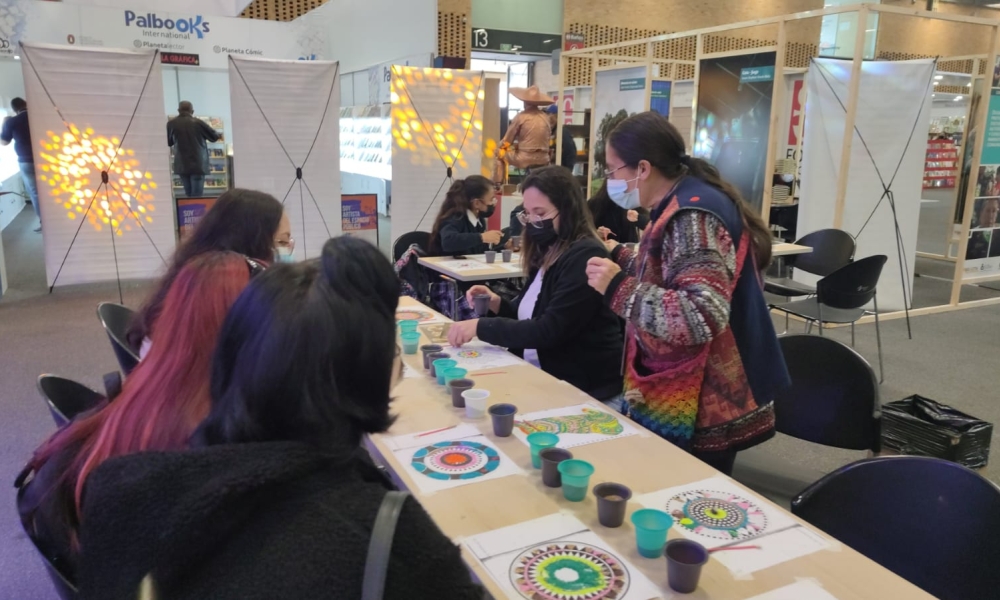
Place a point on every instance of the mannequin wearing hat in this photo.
(526, 144)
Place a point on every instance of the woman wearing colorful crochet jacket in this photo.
(702, 361)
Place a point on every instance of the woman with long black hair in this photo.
(460, 227)
(702, 360)
(615, 222)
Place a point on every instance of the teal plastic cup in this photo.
(441, 365)
(411, 341)
(575, 478)
(454, 373)
(540, 441)
(651, 528)
(408, 325)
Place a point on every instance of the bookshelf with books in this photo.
(217, 179)
(941, 164)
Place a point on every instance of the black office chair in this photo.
(930, 521)
(841, 298)
(833, 401)
(403, 243)
(65, 587)
(116, 318)
(67, 398)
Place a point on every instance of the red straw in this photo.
(735, 548)
(489, 373)
(436, 431)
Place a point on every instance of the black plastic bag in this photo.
(920, 426)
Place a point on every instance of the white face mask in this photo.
(618, 190)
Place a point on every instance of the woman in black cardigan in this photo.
(275, 499)
(558, 322)
(460, 227)
(614, 221)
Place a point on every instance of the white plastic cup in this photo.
(475, 403)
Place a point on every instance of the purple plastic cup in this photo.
(491, 256)
(481, 304)
(612, 500)
(685, 558)
(433, 356)
(503, 419)
(457, 386)
(551, 457)
(427, 350)
(507, 254)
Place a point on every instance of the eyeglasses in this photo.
(608, 174)
(255, 267)
(534, 220)
(289, 243)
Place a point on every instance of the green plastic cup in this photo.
(540, 441)
(411, 341)
(651, 528)
(575, 478)
(440, 366)
(454, 373)
(408, 325)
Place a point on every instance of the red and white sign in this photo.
(574, 41)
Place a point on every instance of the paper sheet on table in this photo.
(462, 265)
(409, 373)
(717, 513)
(422, 314)
(437, 333)
(575, 425)
(480, 356)
(806, 589)
(451, 458)
(555, 555)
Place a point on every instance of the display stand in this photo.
(217, 179)
(941, 167)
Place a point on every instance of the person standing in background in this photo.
(568, 145)
(188, 136)
(16, 128)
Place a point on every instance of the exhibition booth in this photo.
(852, 144)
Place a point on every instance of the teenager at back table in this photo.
(613, 221)
(558, 322)
(460, 227)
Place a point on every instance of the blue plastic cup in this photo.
(440, 366)
(411, 341)
(575, 478)
(651, 528)
(408, 325)
(540, 441)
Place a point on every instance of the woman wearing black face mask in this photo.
(558, 322)
(460, 227)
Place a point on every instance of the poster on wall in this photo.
(359, 216)
(618, 94)
(788, 163)
(982, 253)
(971, 139)
(733, 119)
(189, 212)
(659, 97)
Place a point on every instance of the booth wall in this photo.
(908, 37)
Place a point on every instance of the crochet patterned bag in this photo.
(666, 401)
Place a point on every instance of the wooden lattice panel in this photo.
(798, 54)
(887, 55)
(951, 89)
(956, 66)
(454, 34)
(982, 67)
(280, 10)
(721, 43)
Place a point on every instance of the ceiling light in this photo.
(968, 85)
(939, 77)
(957, 98)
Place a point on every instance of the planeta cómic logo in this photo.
(186, 26)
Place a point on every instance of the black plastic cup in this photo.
(457, 386)
(481, 304)
(507, 254)
(685, 558)
(433, 356)
(612, 500)
(551, 457)
(491, 255)
(516, 242)
(503, 419)
(427, 350)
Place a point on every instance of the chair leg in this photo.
(819, 306)
(852, 334)
(809, 326)
(878, 339)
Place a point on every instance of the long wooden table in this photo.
(645, 463)
(786, 249)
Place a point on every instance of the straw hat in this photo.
(530, 95)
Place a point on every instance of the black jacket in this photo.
(253, 521)
(188, 136)
(458, 236)
(577, 337)
(608, 214)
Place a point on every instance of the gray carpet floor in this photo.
(951, 358)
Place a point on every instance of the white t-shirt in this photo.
(527, 308)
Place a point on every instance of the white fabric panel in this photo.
(433, 99)
(281, 109)
(100, 89)
(893, 97)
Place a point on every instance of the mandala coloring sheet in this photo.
(558, 558)
(450, 458)
(575, 425)
(424, 315)
(717, 513)
(480, 356)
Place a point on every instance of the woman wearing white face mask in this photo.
(702, 362)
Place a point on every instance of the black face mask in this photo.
(486, 214)
(543, 236)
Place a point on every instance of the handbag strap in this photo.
(380, 545)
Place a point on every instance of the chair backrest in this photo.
(66, 398)
(116, 318)
(403, 242)
(853, 285)
(928, 520)
(831, 249)
(833, 399)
